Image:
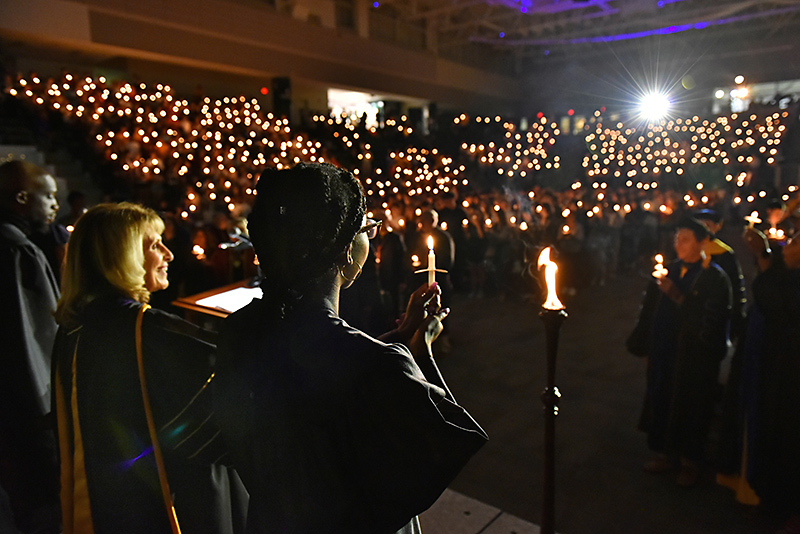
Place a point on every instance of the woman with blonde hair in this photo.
(132, 393)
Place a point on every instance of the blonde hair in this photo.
(106, 256)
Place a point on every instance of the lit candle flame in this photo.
(776, 233)
(198, 251)
(659, 271)
(430, 242)
(550, 268)
(753, 219)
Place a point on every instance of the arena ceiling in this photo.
(540, 32)
(563, 53)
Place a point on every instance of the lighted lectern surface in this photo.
(222, 301)
(231, 300)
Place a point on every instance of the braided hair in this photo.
(302, 220)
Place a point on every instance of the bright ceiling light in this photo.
(654, 106)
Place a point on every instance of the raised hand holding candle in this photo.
(431, 268)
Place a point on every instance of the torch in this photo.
(552, 314)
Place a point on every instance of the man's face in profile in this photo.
(41, 202)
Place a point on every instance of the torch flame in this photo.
(430, 242)
(550, 268)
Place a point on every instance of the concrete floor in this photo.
(497, 370)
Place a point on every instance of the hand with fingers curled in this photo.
(421, 323)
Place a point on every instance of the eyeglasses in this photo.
(371, 228)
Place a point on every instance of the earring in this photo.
(354, 278)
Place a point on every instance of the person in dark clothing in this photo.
(109, 476)
(452, 217)
(771, 398)
(689, 340)
(729, 448)
(52, 240)
(333, 430)
(77, 207)
(723, 255)
(393, 267)
(29, 290)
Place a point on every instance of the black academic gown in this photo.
(123, 484)
(702, 343)
(333, 431)
(28, 459)
(688, 342)
(774, 429)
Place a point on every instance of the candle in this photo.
(431, 262)
(776, 233)
(199, 253)
(659, 271)
(752, 219)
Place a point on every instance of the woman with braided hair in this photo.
(332, 430)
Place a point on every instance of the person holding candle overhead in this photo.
(688, 342)
(333, 431)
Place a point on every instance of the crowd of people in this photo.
(121, 418)
(695, 313)
(195, 159)
(479, 189)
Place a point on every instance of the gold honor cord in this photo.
(162, 473)
(75, 506)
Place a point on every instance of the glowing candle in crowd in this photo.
(776, 233)
(659, 271)
(431, 262)
(753, 219)
(199, 253)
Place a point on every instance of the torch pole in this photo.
(550, 396)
